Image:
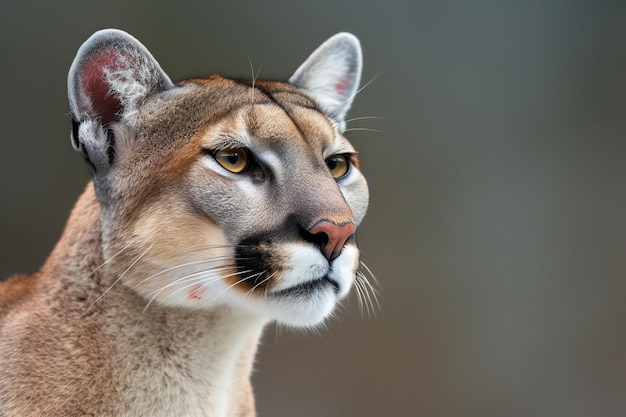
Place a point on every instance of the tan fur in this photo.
(64, 354)
(154, 299)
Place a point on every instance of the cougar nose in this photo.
(333, 236)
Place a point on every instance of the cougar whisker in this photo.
(370, 293)
(198, 281)
(352, 96)
(365, 129)
(251, 290)
(254, 75)
(113, 256)
(202, 274)
(198, 262)
(364, 118)
(179, 281)
(364, 293)
(235, 283)
(359, 293)
(122, 275)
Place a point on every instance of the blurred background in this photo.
(497, 224)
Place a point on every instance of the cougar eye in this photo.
(234, 160)
(338, 165)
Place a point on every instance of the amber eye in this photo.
(234, 160)
(338, 165)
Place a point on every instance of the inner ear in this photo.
(331, 75)
(103, 102)
(111, 75)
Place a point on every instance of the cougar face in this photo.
(222, 192)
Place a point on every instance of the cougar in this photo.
(216, 206)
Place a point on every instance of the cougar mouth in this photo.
(308, 288)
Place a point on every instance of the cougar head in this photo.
(216, 191)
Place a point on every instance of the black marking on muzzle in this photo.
(258, 257)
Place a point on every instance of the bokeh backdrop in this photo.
(497, 225)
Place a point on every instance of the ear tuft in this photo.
(331, 75)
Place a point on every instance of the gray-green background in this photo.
(498, 213)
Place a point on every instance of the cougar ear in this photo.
(109, 78)
(331, 75)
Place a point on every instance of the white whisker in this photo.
(369, 271)
(208, 260)
(254, 77)
(333, 115)
(236, 282)
(203, 281)
(369, 305)
(194, 277)
(184, 280)
(366, 129)
(359, 294)
(113, 257)
(260, 283)
(122, 275)
(367, 294)
(365, 118)
(375, 294)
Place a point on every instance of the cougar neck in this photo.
(166, 359)
(79, 251)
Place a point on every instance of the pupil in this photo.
(332, 164)
(233, 158)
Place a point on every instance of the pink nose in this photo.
(335, 236)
